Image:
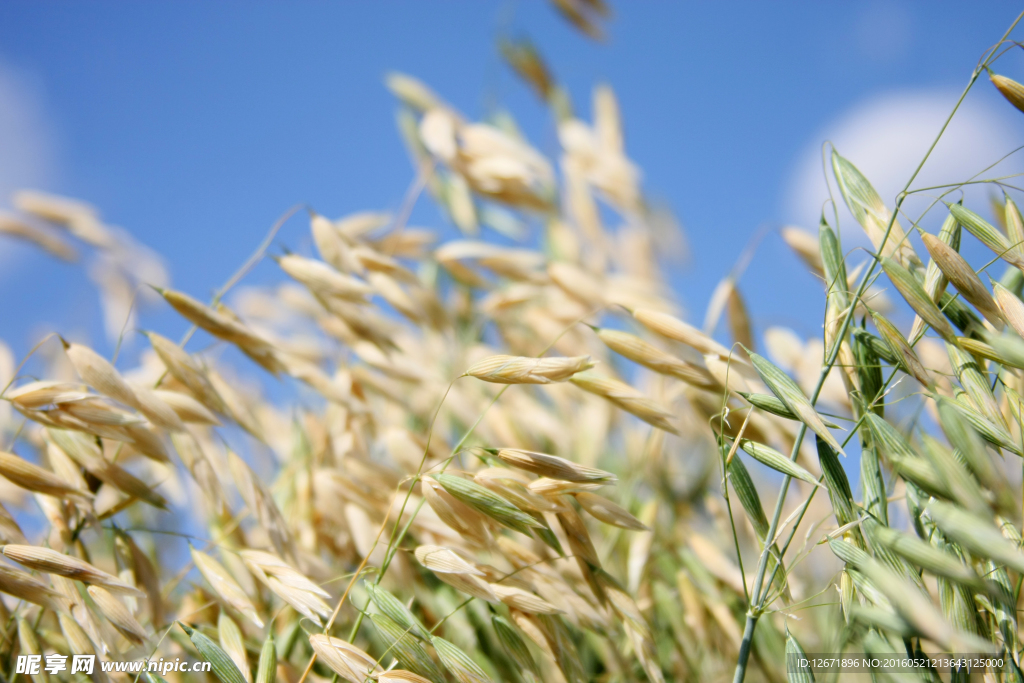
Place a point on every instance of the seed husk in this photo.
(837, 483)
(799, 672)
(805, 245)
(963, 277)
(771, 404)
(470, 585)
(514, 644)
(986, 233)
(927, 556)
(901, 349)
(222, 665)
(787, 391)
(991, 432)
(472, 525)
(53, 562)
(871, 212)
(1010, 89)
(401, 676)
(976, 534)
(406, 648)
(487, 502)
(639, 351)
(324, 280)
(777, 461)
(184, 368)
(266, 670)
(545, 465)
(343, 658)
(225, 585)
(608, 512)
(912, 292)
(458, 663)
(394, 609)
(519, 370)
(24, 586)
(935, 281)
(34, 478)
(1011, 307)
(118, 615)
(675, 329)
(287, 583)
(975, 383)
(444, 561)
(231, 641)
(627, 398)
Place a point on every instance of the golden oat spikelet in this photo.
(345, 659)
(288, 584)
(670, 327)
(225, 586)
(31, 477)
(184, 368)
(24, 586)
(115, 611)
(503, 369)
(608, 512)
(627, 398)
(646, 354)
(53, 562)
(545, 465)
(1010, 89)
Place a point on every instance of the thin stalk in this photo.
(756, 606)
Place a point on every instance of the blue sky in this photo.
(195, 124)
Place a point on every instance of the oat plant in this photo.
(512, 456)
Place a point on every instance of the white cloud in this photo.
(26, 144)
(887, 136)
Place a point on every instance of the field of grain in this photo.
(501, 459)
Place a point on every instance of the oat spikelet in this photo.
(470, 585)
(522, 600)
(24, 586)
(231, 640)
(118, 615)
(184, 369)
(52, 562)
(519, 370)
(639, 351)
(324, 280)
(98, 373)
(444, 561)
(400, 676)
(608, 512)
(673, 328)
(35, 478)
(963, 277)
(462, 518)
(552, 466)
(225, 585)
(626, 397)
(346, 660)
(288, 584)
(1010, 89)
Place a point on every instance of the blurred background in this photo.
(194, 126)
